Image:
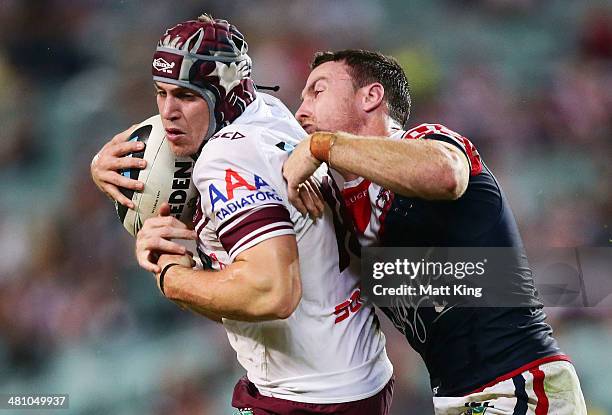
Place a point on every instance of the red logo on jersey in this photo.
(232, 181)
(348, 307)
(358, 204)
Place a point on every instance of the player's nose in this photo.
(169, 108)
(303, 112)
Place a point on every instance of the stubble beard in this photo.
(180, 151)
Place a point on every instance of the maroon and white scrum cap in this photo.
(210, 57)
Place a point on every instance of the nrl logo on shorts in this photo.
(162, 65)
(244, 411)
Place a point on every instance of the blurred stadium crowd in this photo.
(528, 81)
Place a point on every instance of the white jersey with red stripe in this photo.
(369, 203)
(331, 349)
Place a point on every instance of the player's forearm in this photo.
(425, 169)
(240, 291)
(199, 310)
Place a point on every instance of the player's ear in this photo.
(373, 96)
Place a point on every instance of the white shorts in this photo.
(550, 388)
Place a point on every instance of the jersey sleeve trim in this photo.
(350, 184)
(450, 140)
(441, 133)
(254, 226)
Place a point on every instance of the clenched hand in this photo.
(155, 239)
(107, 163)
(303, 191)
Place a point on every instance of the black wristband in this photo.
(163, 274)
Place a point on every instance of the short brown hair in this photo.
(366, 67)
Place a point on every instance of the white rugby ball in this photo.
(167, 178)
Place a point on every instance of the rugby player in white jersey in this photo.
(309, 343)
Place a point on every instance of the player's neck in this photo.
(377, 126)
